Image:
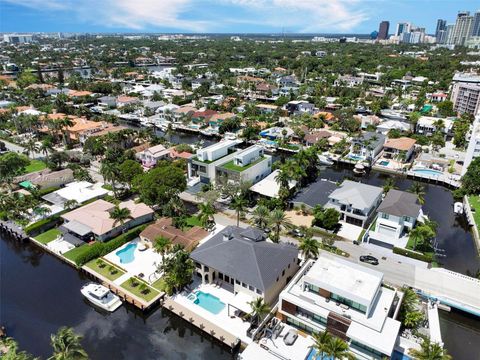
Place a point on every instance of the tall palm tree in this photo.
(45, 147)
(31, 147)
(278, 219)
(12, 351)
(259, 308)
(322, 339)
(207, 210)
(388, 185)
(260, 216)
(66, 345)
(70, 204)
(120, 215)
(429, 351)
(162, 245)
(419, 190)
(416, 235)
(238, 204)
(338, 349)
(109, 172)
(309, 247)
(64, 125)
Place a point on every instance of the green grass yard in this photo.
(35, 165)
(137, 291)
(474, 201)
(48, 236)
(76, 252)
(193, 221)
(159, 284)
(108, 270)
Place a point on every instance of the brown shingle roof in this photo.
(403, 143)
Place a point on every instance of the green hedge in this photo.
(412, 254)
(48, 190)
(43, 225)
(99, 249)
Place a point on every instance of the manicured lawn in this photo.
(474, 201)
(159, 284)
(193, 221)
(106, 270)
(137, 291)
(35, 165)
(76, 252)
(48, 236)
(231, 166)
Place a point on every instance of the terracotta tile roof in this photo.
(163, 227)
(78, 93)
(314, 137)
(328, 116)
(403, 143)
(126, 99)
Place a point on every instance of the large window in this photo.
(311, 316)
(299, 325)
(384, 216)
(366, 349)
(348, 302)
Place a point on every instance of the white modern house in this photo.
(428, 125)
(397, 215)
(346, 299)
(355, 201)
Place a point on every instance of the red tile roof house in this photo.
(93, 221)
(393, 147)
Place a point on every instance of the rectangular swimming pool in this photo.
(209, 302)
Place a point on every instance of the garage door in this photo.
(386, 230)
(353, 221)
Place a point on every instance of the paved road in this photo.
(20, 149)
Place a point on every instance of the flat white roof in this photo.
(81, 191)
(345, 278)
(269, 186)
(383, 341)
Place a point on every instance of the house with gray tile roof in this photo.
(397, 215)
(355, 201)
(367, 146)
(244, 262)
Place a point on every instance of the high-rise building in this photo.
(462, 29)
(440, 32)
(383, 30)
(465, 93)
(402, 28)
(449, 34)
(476, 24)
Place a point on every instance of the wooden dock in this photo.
(213, 330)
(13, 230)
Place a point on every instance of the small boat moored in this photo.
(359, 169)
(101, 296)
(325, 160)
(458, 208)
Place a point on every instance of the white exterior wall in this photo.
(473, 149)
(397, 222)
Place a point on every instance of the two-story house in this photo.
(346, 299)
(397, 215)
(355, 201)
(367, 146)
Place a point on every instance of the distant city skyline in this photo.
(224, 16)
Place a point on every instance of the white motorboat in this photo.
(359, 169)
(101, 296)
(458, 208)
(325, 160)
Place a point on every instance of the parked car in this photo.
(369, 259)
(297, 233)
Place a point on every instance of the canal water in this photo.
(39, 294)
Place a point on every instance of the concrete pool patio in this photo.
(144, 261)
(227, 322)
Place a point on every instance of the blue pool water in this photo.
(399, 356)
(127, 254)
(209, 302)
(313, 353)
(384, 163)
(355, 157)
(429, 172)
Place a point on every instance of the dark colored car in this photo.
(369, 259)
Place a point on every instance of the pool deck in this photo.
(210, 328)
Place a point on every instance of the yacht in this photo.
(325, 160)
(101, 296)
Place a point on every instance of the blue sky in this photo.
(226, 16)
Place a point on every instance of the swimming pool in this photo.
(355, 157)
(209, 302)
(399, 356)
(384, 163)
(429, 172)
(127, 254)
(313, 353)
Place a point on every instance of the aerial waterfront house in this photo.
(367, 146)
(355, 201)
(246, 263)
(400, 149)
(149, 157)
(93, 221)
(397, 215)
(346, 299)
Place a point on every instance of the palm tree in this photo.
(388, 185)
(12, 352)
(45, 147)
(322, 339)
(419, 190)
(337, 349)
(162, 246)
(70, 204)
(238, 204)
(278, 219)
(66, 345)
(109, 172)
(429, 351)
(64, 125)
(120, 215)
(416, 235)
(42, 211)
(31, 147)
(207, 210)
(260, 216)
(309, 247)
(259, 308)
